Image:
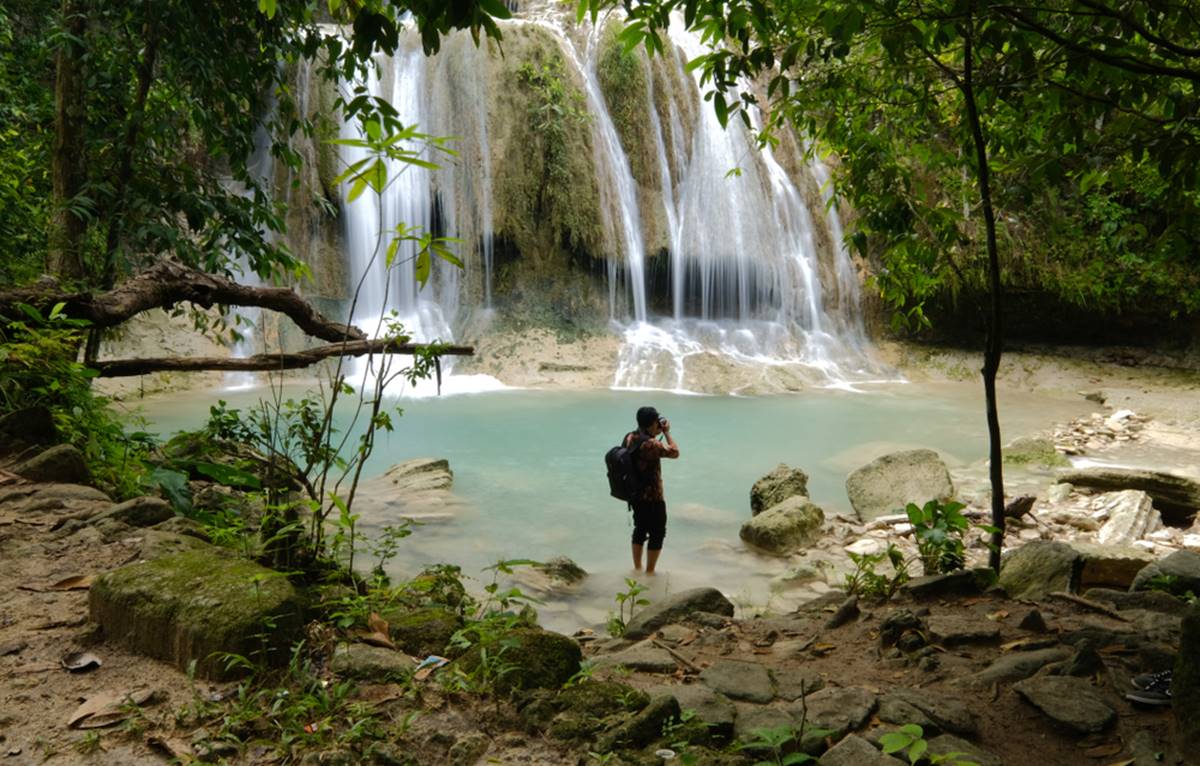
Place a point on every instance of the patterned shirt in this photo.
(648, 463)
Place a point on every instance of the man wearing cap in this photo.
(650, 507)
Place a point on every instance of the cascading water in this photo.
(754, 280)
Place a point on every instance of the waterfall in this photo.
(756, 280)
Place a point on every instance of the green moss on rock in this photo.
(422, 632)
(198, 606)
(537, 659)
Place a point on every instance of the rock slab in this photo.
(61, 463)
(1177, 497)
(856, 751)
(887, 484)
(196, 606)
(1129, 516)
(675, 609)
(1072, 703)
(747, 681)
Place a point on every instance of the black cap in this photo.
(646, 416)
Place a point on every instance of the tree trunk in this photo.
(64, 251)
(992, 350)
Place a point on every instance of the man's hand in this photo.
(665, 425)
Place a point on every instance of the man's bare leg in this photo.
(637, 558)
(651, 559)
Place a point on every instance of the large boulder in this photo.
(1177, 497)
(677, 608)
(780, 484)
(419, 489)
(794, 523)
(1179, 573)
(1128, 516)
(420, 475)
(886, 485)
(201, 606)
(61, 463)
(1039, 568)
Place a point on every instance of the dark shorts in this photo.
(650, 521)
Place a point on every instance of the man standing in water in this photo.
(650, 507)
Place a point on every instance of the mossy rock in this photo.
(437, 586)
(199, 606)
(422, 632)
(582, 710)
(535, 658)
(1034, 451)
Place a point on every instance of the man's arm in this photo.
(671, 450)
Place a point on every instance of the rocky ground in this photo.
(1038, 671)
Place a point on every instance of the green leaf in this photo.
(174, 484)
(496, 9)
(267, 7)
(227, 475)
(422, 267)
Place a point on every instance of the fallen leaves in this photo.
(376, 633)
(107, 708)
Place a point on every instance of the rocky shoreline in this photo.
(1102, 562)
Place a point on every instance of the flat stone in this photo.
(642, 658)
(140, 512)
(1038, 568)
(934, 712)
(737, 680)
(956, 631)
(1070, 702)
(791, 683)
(856, 751)
(1016, 666)
(61, 463)
(839, 709)
(964, 582)
(708, 706)
(370, 663)
(752, 717)
(948, 743)
(197, 606)
(781, 483)
(1060, 492)
(1130, 516)
(1148, 600)
(1176, 497)
(675, 609)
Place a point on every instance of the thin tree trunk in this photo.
(992, 350)
(64, 250)
(145, 77)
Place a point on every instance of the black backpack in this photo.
(624, 481)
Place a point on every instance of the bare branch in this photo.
(265, 362)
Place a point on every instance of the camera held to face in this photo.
(662, 422)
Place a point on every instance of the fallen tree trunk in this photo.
(265, 362)
(166, 284)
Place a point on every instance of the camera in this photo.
(662, 422)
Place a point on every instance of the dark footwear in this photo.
(1153, 681)
(1150, 697)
